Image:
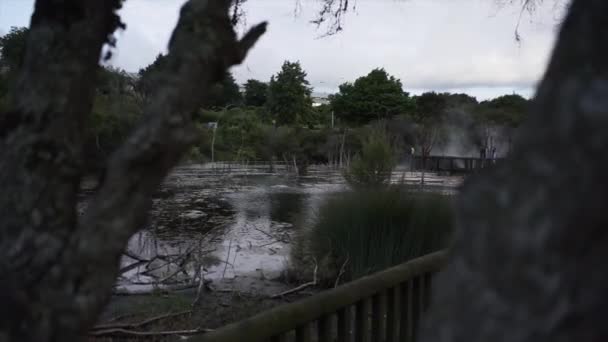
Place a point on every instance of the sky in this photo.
(440, 45)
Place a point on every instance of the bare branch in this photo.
(301, 287)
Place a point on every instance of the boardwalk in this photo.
(453, 164)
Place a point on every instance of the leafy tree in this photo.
(256, 93)
(429, 118)
(289, 94)
(114, 81)
(375, 96)
(12, 48)
(499, 117)
(149, 78)
(224, 93)
(507, 110)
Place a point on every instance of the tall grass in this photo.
(372, 229)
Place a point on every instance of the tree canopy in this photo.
(256, 93)
(508, 110)
(377, 95)
(289, 94)
(429, 117)
(12, 48)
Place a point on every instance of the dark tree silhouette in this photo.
(56, 268)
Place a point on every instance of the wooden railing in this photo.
(386, 306)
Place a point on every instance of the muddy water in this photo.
(231, 225)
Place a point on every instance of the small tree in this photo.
(374, 164)
(289, 94)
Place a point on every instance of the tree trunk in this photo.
(528, 260)
(57, 269)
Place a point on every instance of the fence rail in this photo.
(385, 306)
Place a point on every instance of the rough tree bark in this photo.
(57, 269)
(528, 261)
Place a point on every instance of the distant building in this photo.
(318, 101)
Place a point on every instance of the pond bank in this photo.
(232, 228)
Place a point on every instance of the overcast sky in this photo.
(442, 45)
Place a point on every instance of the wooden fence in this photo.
(386, 306)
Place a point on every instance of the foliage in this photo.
(256, 93)
(429, 117)
(238, 135)
(224, 94)
(289, 94)
(372, 229)
(507, 110)
(12, 48)
(374, 164)
(116, 110)
(375, 96)
(114, 81)
(149, 77)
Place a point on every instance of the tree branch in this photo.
(202, 48)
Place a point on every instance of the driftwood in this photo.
(142, 323)
(163, 289)
(124, 332)
(299, 288)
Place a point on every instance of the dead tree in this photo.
(528, 260)
(57, 269)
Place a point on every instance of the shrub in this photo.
(373, 229)
(374, 164)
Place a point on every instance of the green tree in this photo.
(429, 117)
(289, 94)
(149, 78)
(256, 93)
(12, 51)
(499, 117)
(377, 95)
(507, 110)
(12, 48)
(224, 93)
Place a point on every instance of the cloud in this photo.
(443, 45)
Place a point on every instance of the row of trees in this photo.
(277, 119)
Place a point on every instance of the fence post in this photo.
(344, 323)
(303, 333)
(391, 314)
(377, 317)
(324, 326)
(405, 326)
(416, 305)
(362, 321)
